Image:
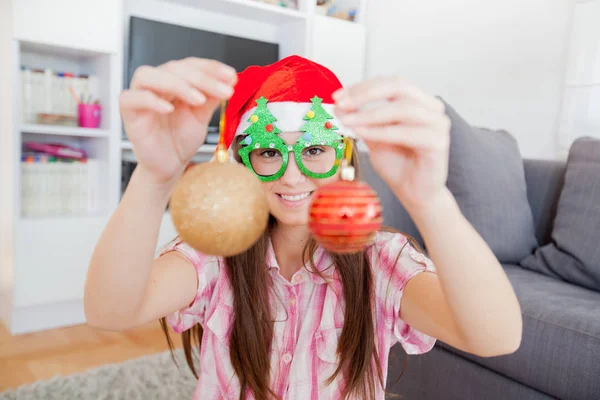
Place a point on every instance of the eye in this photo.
(313, 151)
(269, 153)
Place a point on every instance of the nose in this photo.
(292, 175)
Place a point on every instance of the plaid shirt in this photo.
(309, 318)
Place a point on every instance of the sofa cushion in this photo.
(574, 253)
(487, 178)
(560, 348)
(545, 179)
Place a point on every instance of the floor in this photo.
(42, 355)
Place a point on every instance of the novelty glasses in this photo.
(270, 160)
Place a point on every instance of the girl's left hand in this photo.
(408, 136)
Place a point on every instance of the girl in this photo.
(286, 319)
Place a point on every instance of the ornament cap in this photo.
(222, 155)
(347, 172)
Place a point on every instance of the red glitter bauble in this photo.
(328, 125)
(344, 216)
(269, 128)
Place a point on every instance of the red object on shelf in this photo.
(344, 216)
(56, 150)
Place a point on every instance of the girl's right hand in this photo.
(167, 110)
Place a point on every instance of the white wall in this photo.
(499, 63)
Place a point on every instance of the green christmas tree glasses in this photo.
(318, 152)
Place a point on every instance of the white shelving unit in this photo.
(43, 261)
(44, 258)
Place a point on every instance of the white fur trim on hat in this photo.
(290, 117)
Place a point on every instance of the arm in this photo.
(165, 113)
(470, 303)
(125, 286)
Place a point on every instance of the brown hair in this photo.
(252, 330)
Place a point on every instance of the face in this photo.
(289, 196)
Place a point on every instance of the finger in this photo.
(396, 112)
(167, 84)
(410, 137)
(215, 68)
(200, 79)
(381, 88)
(144, 100)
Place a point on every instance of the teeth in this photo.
(295, 198)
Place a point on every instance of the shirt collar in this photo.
(322, 259)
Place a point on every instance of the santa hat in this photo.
(288, 85)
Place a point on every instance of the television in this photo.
(154, 43)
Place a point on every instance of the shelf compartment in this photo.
(53, 188)
(47, 72)
(248, 9)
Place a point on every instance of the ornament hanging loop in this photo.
(347, 170)
(221, 152)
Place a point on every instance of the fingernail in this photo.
(229, 70)
(225, 90)
(338, 94)
(345, 102)
(197, 97)
(167, 107)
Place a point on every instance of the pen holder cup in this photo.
(89, 115)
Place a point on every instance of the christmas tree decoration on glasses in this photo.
(206, 209)
(345, 215)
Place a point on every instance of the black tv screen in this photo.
(154, 43)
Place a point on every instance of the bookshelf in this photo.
(44, 257)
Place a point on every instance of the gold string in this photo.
(221, 153)
(348, 150)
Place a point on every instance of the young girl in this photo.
(286, 319)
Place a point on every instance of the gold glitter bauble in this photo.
(219, 208)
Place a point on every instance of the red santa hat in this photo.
(288, 85)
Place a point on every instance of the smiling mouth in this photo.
(297, 197)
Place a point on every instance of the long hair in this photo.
(252, 331)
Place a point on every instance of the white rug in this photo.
(146, 378)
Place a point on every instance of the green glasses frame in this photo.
(276, 143)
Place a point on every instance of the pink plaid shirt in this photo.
(309, 320)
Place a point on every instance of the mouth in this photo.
(294, 200)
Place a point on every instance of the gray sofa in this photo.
(559, 356)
